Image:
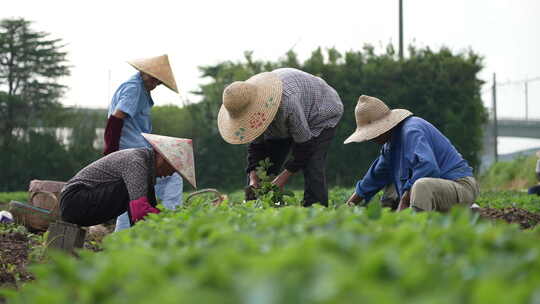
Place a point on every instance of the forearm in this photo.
(113, 131)
(354, 199)
(256, 153)
(405, 201)
(282, 178)
(301, 153)
(253, 179)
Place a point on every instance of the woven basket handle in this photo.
(50, 195)
(215, 202)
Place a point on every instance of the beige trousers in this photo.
(438, 194)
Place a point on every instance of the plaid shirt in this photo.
(308, 106)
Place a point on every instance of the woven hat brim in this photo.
(190, 179)
(379, 127)
(166, 78)
(259, 114)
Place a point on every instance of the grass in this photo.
(6, 197)
(514, 175)
(509, 198)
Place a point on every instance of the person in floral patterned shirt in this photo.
(124, 181)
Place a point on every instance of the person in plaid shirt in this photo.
(286, 110)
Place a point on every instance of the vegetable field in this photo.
(249, 253)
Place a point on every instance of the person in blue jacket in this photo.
(418, 166)
(129, 116)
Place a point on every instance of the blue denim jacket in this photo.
(416, 149)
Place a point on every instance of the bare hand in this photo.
(253, 179)
(282, 179)
(355, 199)
(249, 193)
(405, 201)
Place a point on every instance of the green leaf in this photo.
(374, 210)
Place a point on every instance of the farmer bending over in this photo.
(124, 181)
(274, 111)
(417, 163)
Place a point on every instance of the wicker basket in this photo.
(41, 194)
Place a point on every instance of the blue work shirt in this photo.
(416, 149)
(133, 99)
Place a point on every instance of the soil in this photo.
(524, 218)
(15, 248)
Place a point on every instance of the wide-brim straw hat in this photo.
(374, 118)
(157, 67)
(249, 107)
(178, 152)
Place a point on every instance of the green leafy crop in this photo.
(269, 194)
(241, 253)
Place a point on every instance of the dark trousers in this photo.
(534, 190)
(91, 206)
(315, 187)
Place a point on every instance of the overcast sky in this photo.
(102, 35)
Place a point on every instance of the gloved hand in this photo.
(250, 193)
(139, 208)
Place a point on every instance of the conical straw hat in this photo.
(373, 118)
(157, 67)
(177, 151)
(249, 107)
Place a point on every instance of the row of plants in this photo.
(252, 253)
(197, 235)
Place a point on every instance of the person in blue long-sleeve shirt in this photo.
(417, 165)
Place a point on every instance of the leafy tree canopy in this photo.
(31, 64)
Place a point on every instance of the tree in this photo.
(30, 65)
(173, 121)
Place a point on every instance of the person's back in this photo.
(320, 103)
(451, 163)
(131, 166)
